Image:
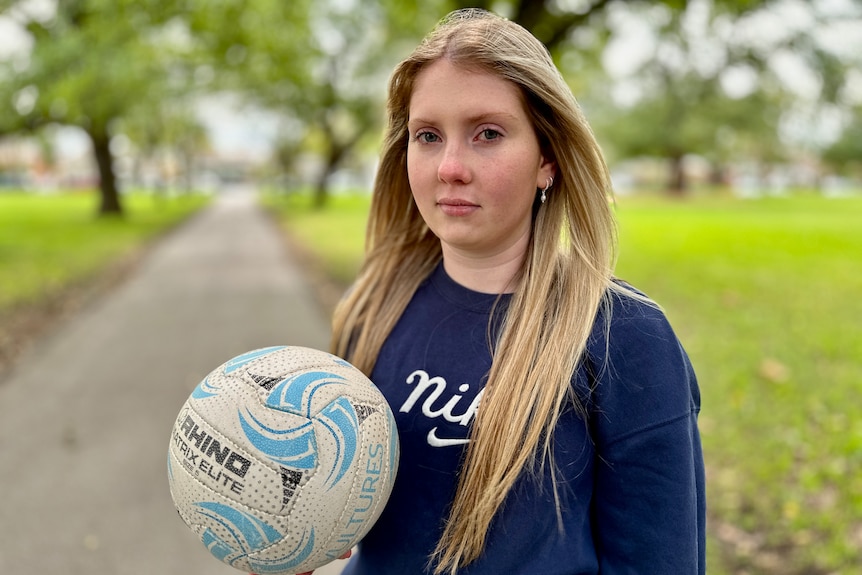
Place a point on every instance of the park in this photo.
(736, 157)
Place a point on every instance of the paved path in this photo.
(85, 416)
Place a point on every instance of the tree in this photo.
(92, 63)
(553, 22)
(708, 81)
(165, 132)
(845, 154)
(324, 69)
(256, 52)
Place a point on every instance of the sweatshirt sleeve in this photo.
(649, 499)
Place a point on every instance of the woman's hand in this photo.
(345, 556)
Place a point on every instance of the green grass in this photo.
(335, 236)
(766, 295)
(49, 242)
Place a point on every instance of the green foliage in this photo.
(48, 243)
(845, 155)
(90, 63)
(93, 63)
(700, 89)
(692, 115)
(259, 48)
(323, 68)
(551, 21)
(765, 296)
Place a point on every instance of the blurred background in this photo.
(733, 129)
(757, 97)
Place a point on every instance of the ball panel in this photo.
(375, 474)
(306, 388)
(229, 466)
(240, 535)
(241, 360)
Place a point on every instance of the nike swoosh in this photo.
(435, 441)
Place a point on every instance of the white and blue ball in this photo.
(282, 459)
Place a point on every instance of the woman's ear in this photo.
(547, 172)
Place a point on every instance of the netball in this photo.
(282, 459)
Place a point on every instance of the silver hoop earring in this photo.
(548, 185)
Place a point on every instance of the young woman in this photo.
(547, 412)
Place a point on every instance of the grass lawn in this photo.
(334, 235)
(767, 298)
(48, 242)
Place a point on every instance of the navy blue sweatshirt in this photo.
(632, 488)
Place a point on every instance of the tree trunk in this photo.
(110, 196)
(333, 159)
(321, 189)
(188, 158)
(678, 186)
(718, 175)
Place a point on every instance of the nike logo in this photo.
(435, 441)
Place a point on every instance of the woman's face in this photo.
(473, 161)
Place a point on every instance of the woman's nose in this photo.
(453, 166)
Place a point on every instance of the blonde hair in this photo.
(563, 281)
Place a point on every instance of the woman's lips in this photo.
(456, 207)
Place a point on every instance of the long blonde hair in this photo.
(565, 275)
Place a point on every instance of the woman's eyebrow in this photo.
(476, 118)
(489, 116)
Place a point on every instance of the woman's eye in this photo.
(426, 137)
(490, 134)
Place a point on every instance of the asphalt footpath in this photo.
(86, 413)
